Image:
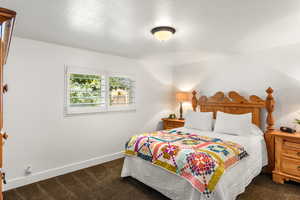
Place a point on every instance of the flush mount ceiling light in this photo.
(163, 33)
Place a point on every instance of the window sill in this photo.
(70, 113)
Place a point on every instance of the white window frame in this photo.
(121, 107)
(69, 110)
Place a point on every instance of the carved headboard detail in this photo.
(234, 103)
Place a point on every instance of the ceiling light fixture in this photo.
(163, 33)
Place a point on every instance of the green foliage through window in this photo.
(120, 91)
(85, 90)
(93, 91)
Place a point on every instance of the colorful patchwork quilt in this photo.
(199, 159)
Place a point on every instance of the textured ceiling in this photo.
(205, 28)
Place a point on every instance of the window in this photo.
(91, 91)
(85, 90)
(121, 93)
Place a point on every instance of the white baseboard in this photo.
(35, 177)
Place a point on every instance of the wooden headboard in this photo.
(234, 103)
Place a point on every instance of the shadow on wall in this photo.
(159, 126)
(159, 78)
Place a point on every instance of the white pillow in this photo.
(198, 120)
(233, 124)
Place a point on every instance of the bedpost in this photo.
(270, 103)
(269, 138)
(194, 100)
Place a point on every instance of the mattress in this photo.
(232, 183)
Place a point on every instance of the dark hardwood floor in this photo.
(103, 182)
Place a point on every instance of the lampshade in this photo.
(182, 96)
(163, 33)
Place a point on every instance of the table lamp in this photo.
(182, 97)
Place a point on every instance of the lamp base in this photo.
(180, 111)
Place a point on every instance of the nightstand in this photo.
(172, 123)
(287, 157)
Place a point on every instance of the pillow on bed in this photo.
(198, 120)
(233, 124)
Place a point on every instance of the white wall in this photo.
(40, 135)
(249, 74)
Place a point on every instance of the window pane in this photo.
(120, 91)
(85, 90)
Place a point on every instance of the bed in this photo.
(234, 180)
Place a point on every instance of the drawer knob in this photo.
(5, 136)
(5, 88)
(4, 177)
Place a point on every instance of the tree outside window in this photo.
(93, 91)
(85, 90)
(120, 91)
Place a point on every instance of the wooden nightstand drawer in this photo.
(291, 153)
(172, 123)
(291, 144)
(290, 166)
